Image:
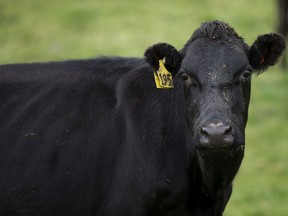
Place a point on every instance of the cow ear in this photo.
(162, 51)
(266, 51)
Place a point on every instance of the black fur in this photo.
(214, 30)
(266, 50)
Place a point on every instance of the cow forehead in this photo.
(225, 58)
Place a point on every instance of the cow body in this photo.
(66, 136)
(96, 137)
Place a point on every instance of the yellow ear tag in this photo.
(163, 78)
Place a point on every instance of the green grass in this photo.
(53, 30)
(50, 30)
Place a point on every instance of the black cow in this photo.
(96, 137)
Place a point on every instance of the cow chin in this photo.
(218, 167)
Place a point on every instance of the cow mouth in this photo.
(221, 147)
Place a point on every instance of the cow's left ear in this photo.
(162, 51)
(266, 51)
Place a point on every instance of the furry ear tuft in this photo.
(160, 51)
(266, 51)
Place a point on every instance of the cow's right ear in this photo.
(162, 51)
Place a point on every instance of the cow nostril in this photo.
(228, 130)
(204, 131)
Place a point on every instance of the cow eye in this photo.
(246, 75)
(189, 80)
(184, 76)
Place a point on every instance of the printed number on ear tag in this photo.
(163, 78)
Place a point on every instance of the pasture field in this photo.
(52, 30)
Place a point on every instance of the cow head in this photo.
(215, 67)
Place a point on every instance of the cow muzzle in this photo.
(216, 136)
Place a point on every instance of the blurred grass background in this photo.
(52, 30)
